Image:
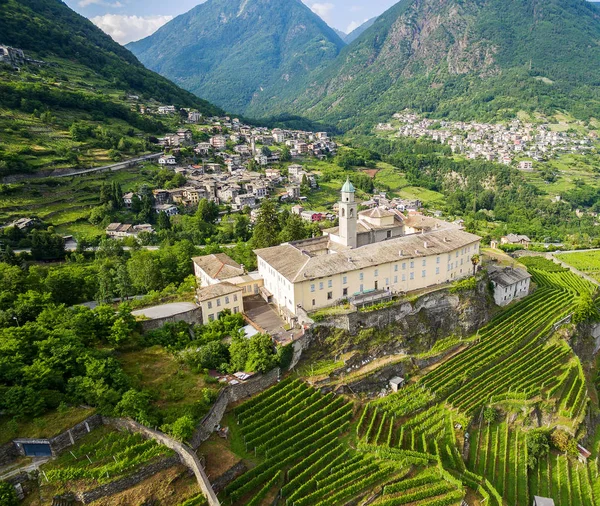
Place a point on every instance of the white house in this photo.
(509, 284)
(167, 160)
(215, 299)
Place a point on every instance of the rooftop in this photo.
(219, 266)
(218, 290)
(348, 187)
(297, 264)
(508, 276)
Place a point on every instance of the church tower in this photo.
(348, 215)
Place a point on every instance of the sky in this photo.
(129, 20)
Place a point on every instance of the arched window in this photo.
(351, 213)
(343, 213)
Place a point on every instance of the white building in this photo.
(215, 299)
(509, 284)
(320, 272)
(167, 160)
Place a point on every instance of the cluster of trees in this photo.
(108, 138)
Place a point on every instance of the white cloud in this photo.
(87, 3)
(354, 25)
(125, 29)
(323, 10)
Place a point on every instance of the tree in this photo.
(210, 356)
(144, 272)
(538, 446)
(106, 283)
(285, 155)
(294, 229)
(475, 259)
(261, 355)
(8, 495)
(266, 228)
(586, 310)
(136, 405)
(490, 415)
(241, 227)
(207, 211)
(563, 442)
(164, 222)
(46, 245)
(181, 429)
(124, 287)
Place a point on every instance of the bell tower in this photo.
(348, 216)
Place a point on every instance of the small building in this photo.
(542, 501)
(509, 284)
(526, 166)
(215, 299)
(122, 230)
(397, 383)
(583, 454)
(168, 209)
(218, 142)
(167, 160)
(521, 240)
(194, 116)
(25, 223)
(213, 269)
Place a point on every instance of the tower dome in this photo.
(348, 187)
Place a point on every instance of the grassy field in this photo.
(48, 425)
(585, 261)
(174, 387)
(67, 202)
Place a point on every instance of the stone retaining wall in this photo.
(186, 455)
(193, 316)
(231, 393)
(8, 453)
(123, 484)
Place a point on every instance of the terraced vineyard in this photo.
(585, 261)
(428, 443)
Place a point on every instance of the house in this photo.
(218, 142)
(213, 269)
(215, 299)
(311, 216)
(320, 272)
(396, 383)
(161, 196)
(167, 160)
(185, 136)
(25, 223)
(526, 166)
(542, 501)
(297, 209)
(509, 284)
(194, 116)
(122, 230)
(242, 201)
(293, 192)
(128, 199)
(522, 240)
(166, 109)
(295, 173)
(168, 209)
(203, 148)
(273, 174)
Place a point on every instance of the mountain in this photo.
(462, 59)
(49, 27)
(239, 54)
(80, 107)
(340, 34)
(357, 32)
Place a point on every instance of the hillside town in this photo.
(513, 143)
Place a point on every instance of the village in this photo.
(516, 143)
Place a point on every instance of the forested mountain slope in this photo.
(241, 54)
(87, 79)
(466, 59)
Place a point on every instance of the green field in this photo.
(585, 261)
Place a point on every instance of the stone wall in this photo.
(123, 484)
(186, 455)
(8, 453)
(193, 316)
(65, 439)
(231, 393)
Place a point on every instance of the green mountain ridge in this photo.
(462, 59)
(357, 32)
(241, 53)
(83, 108)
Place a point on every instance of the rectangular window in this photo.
(403, 277)
(437, 260)
(345, 292)
(227, 299)
(313, 301)
(423, 274)
(329, 295)
(236, 310)
(449, 267)
(403, 266)
(457, 254)
(218, 302)
(412, 264)
(396, 268)
(361, 288)
(424, 263)
(376, 272)
(395, 279)
(362, 276)
(211, 317)
(235, 298)
(387, 281)
(344, 280)
(329, 283)
(412, 275)
(209, 304)
(321, 285)
(312, 288)
(437, 270)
